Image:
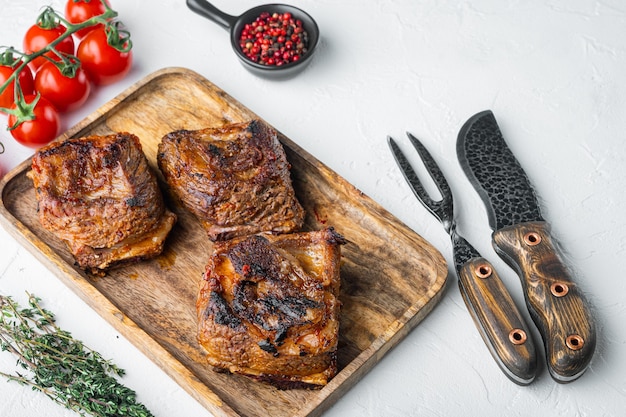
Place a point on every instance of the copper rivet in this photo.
(574, 342)
(483, 271)
(532, 238)
(559, 289)
(517, 336)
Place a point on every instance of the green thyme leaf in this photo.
(61, 367)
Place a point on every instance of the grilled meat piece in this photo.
(99, 195)
(234, 179)
(269, 307)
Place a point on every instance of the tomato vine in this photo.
(68, 64)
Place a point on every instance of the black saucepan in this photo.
(235, 24)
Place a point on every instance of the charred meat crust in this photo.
(269, 307)
(235, 179)
(99, 195)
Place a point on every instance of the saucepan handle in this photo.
(206, 9)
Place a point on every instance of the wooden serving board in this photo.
(390, 276)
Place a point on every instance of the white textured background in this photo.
(554, 73)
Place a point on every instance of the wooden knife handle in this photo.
(556, 304)
(499, 321)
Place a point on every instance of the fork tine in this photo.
(433, 169)
(441, 209)
(410, 175)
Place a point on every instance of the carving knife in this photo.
(522, 238)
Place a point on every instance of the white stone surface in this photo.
(553, 73)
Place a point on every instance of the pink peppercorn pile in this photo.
(274, 39)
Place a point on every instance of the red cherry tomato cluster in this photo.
(65, 77)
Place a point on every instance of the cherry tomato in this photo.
(26, 83)
(103, 63)
(37, 38)
(42, 129)
(64, 92)
(77, 11)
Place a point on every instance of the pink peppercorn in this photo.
(274, 39)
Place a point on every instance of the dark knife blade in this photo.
(522, 238)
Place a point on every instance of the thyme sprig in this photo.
(63, 368)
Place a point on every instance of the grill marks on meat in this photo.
(268, 308)
(100, 196)
(272, 293)
(234, 179)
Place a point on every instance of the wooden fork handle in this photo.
(499, 321)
